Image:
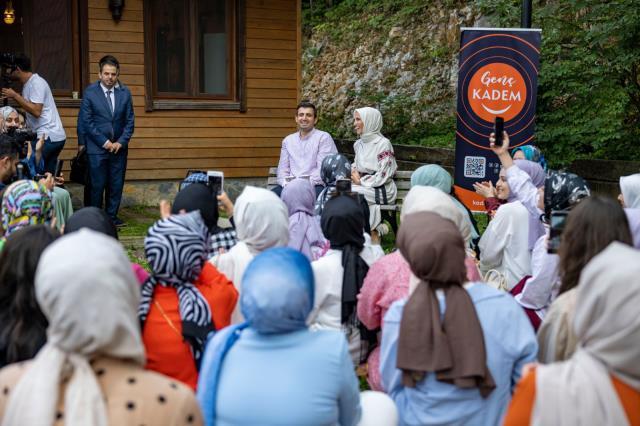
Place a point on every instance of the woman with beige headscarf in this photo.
(374, 165)
(90, 371)
(388, 278)
(262, 221)
(600, 383)
(452, 350)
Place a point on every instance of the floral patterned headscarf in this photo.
(25, 203)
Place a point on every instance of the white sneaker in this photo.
(383, 229)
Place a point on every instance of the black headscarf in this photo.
(562, 191)
(342, 224)
(93, 218)
(197, 196)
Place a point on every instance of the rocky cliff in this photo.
(401, 59)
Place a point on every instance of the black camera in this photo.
(22, 137)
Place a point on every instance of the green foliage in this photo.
(347, 21)
(589, 79)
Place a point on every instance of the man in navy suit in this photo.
(106, 121)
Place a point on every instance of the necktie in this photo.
(109, 100)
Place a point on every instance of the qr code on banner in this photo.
(475, 167)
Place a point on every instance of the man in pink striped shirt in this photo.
(303, 151)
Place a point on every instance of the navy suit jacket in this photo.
(96, 124)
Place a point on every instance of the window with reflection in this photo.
(193, 49)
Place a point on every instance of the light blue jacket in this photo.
(510, 343)
(298, 378)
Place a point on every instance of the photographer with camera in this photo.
(33, 163)
(23, 137)
(37, 101)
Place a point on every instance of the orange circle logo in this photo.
(497, 90)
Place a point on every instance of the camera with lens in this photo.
(22, 137)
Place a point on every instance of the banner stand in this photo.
(497, 77)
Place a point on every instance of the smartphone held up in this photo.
(215, 182)
(498, 129)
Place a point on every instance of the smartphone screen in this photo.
(498, 128)
(215, 181)
(59, 165)
(558, 219)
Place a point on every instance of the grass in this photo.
(138, 220)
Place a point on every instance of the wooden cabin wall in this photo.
(167, 143)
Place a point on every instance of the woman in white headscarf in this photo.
(262, 222)
(374, 165)
(600, 383)
(90, 371)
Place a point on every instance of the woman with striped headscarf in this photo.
(182, 302)
(24, 203)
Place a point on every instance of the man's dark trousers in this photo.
(99, 123)
(107, 172)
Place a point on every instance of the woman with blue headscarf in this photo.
(272, 369)
(531, 153)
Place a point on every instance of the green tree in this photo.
(589, 79)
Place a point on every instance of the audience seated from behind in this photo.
(600, 383)
(262, 222)
(388, 278)
(305, 234)
(589, 229)
(339, 274)
(90, 371)
(425, 361)
(272, 369)
(181, 304)
(22, 324)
